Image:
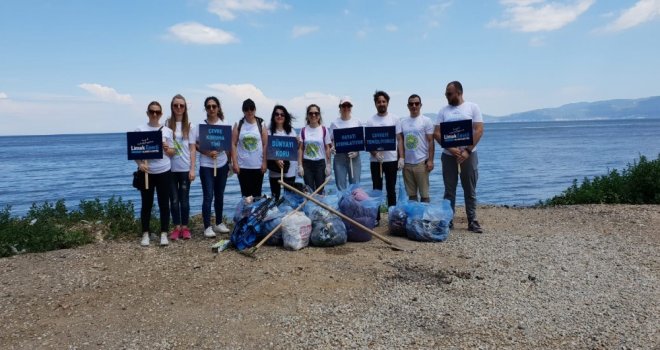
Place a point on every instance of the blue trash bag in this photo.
(364, 211)
(396, 215)
(428, 222)
(272, 220)
(293, 199)
(328, 229)
(243, 209)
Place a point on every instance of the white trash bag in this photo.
(296, 229)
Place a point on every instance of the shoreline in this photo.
(582, 276)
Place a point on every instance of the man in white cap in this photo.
(346, 165)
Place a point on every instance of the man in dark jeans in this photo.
(461, 161)
(388, 161)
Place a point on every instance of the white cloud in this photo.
(105, 93)
(195, 33)
(299, 31)
(227, 9)
(435, 11)
(540, 15)
(643, 11)
(3, 95)
(391, 28)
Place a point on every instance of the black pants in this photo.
(161, 184)
(251, 181)
(314, 173)
(276, 188)
(389, 169)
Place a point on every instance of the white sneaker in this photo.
(222, 228)
(145, 239)
(163, 239)
(208, 233)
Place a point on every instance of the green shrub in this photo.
(52, 226)
(638, 184)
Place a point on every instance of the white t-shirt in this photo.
(343, 124)
(250, 150)
(388, 120)
(159, 166)
(293, 167)
(415, 131)
(206, 161)
(314, 143)
(464, 111)
(181, 159)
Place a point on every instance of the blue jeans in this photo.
(213, 187)
(342, 167)
(179, 198)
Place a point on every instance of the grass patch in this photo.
(639, 183)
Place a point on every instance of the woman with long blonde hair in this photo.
(183, 168)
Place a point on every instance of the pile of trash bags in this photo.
(362, 206)
(424, 222)
(328, 229)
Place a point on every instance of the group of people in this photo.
(171, 176)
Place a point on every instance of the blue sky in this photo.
(80, 66)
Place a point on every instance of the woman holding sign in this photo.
(212, 163)
(159, 177)
(183, 167)
(280, 125)
(249, 140)
(314, 157)
(346, 164)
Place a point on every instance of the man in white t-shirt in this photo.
(419, 149)
(389, 161)
(461, 161)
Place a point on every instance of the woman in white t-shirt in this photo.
(346, 165)
(183, 168)
(159, 177)
(249, 140)
(281, 125)
(213, 185)
(314, 154)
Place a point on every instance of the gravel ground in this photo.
(581, 277)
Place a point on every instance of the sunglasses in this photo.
(151, 111)
(279, 115)
(346, 105)
(313, 114)
(410, 104)
(211, 106)
(176, 105)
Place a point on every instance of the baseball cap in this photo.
(345, 99)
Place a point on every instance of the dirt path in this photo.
(581, 277)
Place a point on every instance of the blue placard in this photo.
(282, 148)
(380, 138)
(214, 137)
(349, 139)
(144, 145)
(455, 134)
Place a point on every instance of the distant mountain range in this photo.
(641, 108)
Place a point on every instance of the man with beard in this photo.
(391, 160)
(463, 160)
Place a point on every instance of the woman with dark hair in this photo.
(280, 125)
(314, 154)
(213, 187)
(183, 167)
(249, 139)
(159, 177)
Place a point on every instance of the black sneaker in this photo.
(475, 227)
